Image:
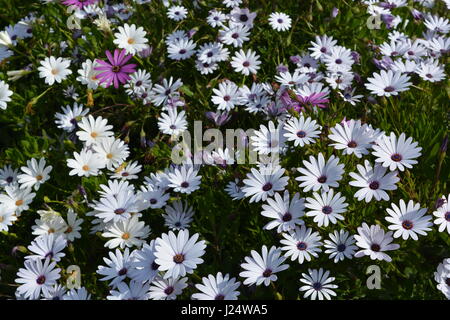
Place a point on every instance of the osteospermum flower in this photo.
(47, 246)
(184, 179)
(318, 284)
(86, 163)
(37, 276)
(285, 214)
(326, 207)
(126, 233)
(116, 207)
(373, 181)
(5, 94)
(68, 119)
(178, 216)
(144, 266)
(180, 254)
(263, 183)
(118, 267)
(351, 137)
(260, 269)
(172, 122)
(388, 83)
(34, 174)
(442, 277)
(217, 287)
(408, 220)
(319, 174)
(93, 129)
(116, 71)
(302, 131)
(268, 140)
(113, 151)
(54, 69)
(131, 39)
(133, 291)
(280, 21)
(301, 244)
(443, 215)
(167, 289)
(17, 199)
(79, 3)
(77, 294)
(373, 242)
(340, 246)
(245, 62)
(396, 153)
(7, 218)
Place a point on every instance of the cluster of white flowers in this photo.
(144, 266)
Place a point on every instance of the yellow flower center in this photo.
(130, 41)
(39, 177)
(54, 71)
(94, 134)
(126, 236)
(109, 155)
(51, 230)
(19, 202)
(2, 218)
(85, 167)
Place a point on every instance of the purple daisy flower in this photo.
(116, 70)
(79, 3)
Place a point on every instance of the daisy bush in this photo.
(107, 193)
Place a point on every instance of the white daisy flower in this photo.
(172, 122)
(112, 151)
(126, 171)
(145, 269)
(268, 140)
(88, 74)
(388, 83)
(396, 153)
(118, 267)
(8, 176)
(301, 244)
(115, 208)
(260, 269)
(285, 214)
(431, 71)
(68, 119)
(373, 242)
(245, 62)
(180, 254)
(5, 94)
(126, 233)
(34, 174)
(318, 284)
(86, 163)
(351, 137)
(167, 289)
(408, 220)
(93, 129)
(228, 96)
(16, 199)
(217, 287)
(54, 69)
(326, 207)
(263, 183)
(77, 294)
(7, 217)
(340, 246)
(319, 174)
(130, 38)
(133, 291)
(443, 215)
(177, 13)
(280, 21)
(373, 181)
(184, 179)
(48, 246)
(72, 231)
(177, 216)
(37, 276)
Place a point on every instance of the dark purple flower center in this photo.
(447, 216)
(119, 211)
(280, 20)
(49, 255)
(243, 18)
(209, 54)
(267, 186)
(374, 185)
(219, 297)
(139, 83)
(40, 280)
(447, 281)
(327, 209)
(407, 224)
(323, 50)
(185, 184)
(122, 272)
(182, 51)
(287, 217)
(178, 258)
(301, 134)
(267, 273)
(169, 290)
(429, 75)
(115, 69)
(246, 63)
(341, 247)
(125, 174)
(178, 224)
(394, 53)
(317, 286)
(9, 179)
(302, 246)
(411, 53)
(375, 247)
(227, 98)
(235, 35)
(173, 127)
(352, 144)
(338, 61)
(322, 179)
(396, 157)
(389, 89)
(153, 201)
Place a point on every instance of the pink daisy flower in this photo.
(116, 70)
(79, 3)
